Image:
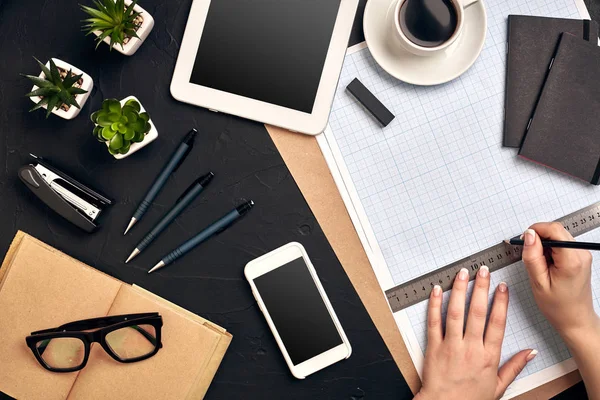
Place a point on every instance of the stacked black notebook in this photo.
(552, 109)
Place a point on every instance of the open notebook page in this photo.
(43, 288)
(188, 347)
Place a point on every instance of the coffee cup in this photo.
(428, 27)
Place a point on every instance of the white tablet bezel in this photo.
(216, 100)
(274, 260)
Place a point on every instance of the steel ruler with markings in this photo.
(496, 257)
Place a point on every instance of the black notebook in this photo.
(531, 44)
(564, 133)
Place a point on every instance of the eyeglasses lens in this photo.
(61, 353)
(132, 342)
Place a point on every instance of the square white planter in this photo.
(134, 43)
(150, 136)
(88, 84)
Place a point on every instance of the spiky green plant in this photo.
(112, 19)
(120, 126)
(54, 89)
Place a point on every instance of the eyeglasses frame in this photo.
(103, 326)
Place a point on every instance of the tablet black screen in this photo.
(268, 50)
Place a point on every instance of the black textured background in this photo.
(210, 280)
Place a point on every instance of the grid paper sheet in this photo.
(436, 184)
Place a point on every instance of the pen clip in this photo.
(182, 159)
(241, 210)
(223, 229)
(189, 142)
(203, 181)
(185, 193)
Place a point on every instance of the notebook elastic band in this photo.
(586, 29)
(596, 178)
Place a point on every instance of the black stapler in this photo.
(76, 202)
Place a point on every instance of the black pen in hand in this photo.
(559, 244)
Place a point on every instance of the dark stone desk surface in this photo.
(210, 280)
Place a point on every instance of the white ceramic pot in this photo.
(150, 136)
(87, 84)
(134, 43)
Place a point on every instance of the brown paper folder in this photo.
(309, 169)
(42, 288)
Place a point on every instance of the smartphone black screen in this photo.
(298, 311)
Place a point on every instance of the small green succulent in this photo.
(112, 19)
(54, 88)
(120, 126)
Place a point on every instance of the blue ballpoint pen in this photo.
(185, 200)
(216, 228)
(176, 160)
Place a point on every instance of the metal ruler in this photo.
(496, 257)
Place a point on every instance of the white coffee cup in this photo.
(459, 6)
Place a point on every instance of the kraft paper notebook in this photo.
(564, 131)
(531, 44)
(41, 288)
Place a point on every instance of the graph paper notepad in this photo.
(438, 177)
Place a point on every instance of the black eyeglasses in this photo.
(126, 338)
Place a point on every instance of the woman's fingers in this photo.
(564, 259)
(552, 230)
(434, 318)
(455, 319)
(497, 323)
(511, 369)
(479, 306)
(534, 258)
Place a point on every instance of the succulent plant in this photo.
(55, 88)
(120, 126)
(113, 20)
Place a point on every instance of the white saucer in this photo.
(431, 70)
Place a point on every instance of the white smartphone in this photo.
(290, 295)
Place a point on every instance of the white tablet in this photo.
(273, 61)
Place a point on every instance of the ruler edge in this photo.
(390, 293)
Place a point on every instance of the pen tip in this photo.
(131, 224)
(157, 266)
(506, 241)
(134, 253)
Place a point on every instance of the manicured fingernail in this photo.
(531, 355)
(437, 290)
(463, 275)
(529, 236)
(503, 287)
(484, 271)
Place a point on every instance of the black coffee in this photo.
(428, 23)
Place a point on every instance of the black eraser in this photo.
(370, 102)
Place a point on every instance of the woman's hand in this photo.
(465, 365)
(560, 279)
(561, 284)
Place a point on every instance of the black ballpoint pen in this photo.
(180, 154)
(559, 244)
(182, 203)
(217, 227)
